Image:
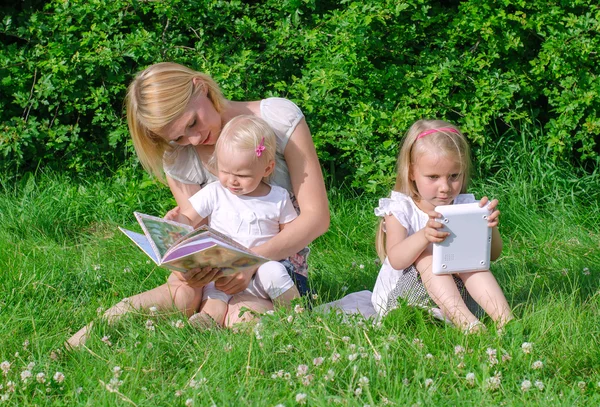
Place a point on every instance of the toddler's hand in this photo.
(493, 218)
(432, 234)
(173, 214)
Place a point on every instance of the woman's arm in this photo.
(309, 187)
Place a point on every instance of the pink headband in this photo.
(431, 131)
(261, 147)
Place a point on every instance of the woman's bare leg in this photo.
(245, 300)
(443, 291)
(484, 289)
(173, 294)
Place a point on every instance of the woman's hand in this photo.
(199, 277)
(493, 218)
(235, 283)
(432, 232)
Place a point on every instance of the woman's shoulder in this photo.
(283, 115)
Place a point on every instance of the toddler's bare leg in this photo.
(484, 289)
(443, 291)
(174, 293)
(245, 300)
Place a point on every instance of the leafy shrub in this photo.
(361, 71)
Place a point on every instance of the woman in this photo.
(175, 116)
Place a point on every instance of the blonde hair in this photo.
(443, 143)
(247, 133)
(156, 97)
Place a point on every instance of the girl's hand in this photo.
(235, 283)
(199, 277)
(173, 214)
(432, 232)
(493, 218)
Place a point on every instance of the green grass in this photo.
(62, 259)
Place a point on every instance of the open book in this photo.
(180, 247)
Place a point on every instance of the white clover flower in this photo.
(329, 376)
(301, 398)
(358, 392)
(96, 267)
(470, 378)
(289, 348)
(346, 338)
(26, 375)
(290, 319)
(335, 357)
(459, 350)
(126, 270)
(582, 385)
(178, 393)
(106, 340)
(25, 344)
(377, 356)
(506, 357)
(150, 325)
(525, 385)
(318, 361)
(493, 383)
(429, 356)
(539, 385)
(363, 381)
(461, 365)
(527, 347)
(405, 381)
(30, 365)
(362, 266)
(40, 377)
(344, 288)
(153, 309)
(315, 296)
(10, 386)
(306, 380)
(586, 271)
(5, 366)
(301, 370)
(287, 376)
(270, 312)
(418, 342)
(538, 364)
(179, 324)
(298, 309)
(352, 356)
(428, 382)
(59, 377)
(189, 402)
(117, 371)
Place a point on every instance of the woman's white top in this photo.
(406, 211)
(184, 165)
(249, 220)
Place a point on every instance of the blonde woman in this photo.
(175, 116)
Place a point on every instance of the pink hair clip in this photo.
(431, 131)
(261, 147)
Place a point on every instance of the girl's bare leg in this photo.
(173, 294)
(245, 300)
(484, 289)
(443, 291)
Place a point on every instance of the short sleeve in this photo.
(288, 212)
(182, 164)
(398, 205)
(283, 116)
(204, 200)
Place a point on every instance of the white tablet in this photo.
(468, 246)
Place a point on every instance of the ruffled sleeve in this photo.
(183, 165)
(399, 205)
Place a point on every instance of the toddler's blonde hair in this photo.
(442, 143)
(156, 97)
(247, 133)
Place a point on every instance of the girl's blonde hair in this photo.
(443, 143)
(156, 97)
(247, 133)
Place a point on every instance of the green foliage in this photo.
(361, 71)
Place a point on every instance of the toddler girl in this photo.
(243, 206)
(433, 169)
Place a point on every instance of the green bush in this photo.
(361, 71)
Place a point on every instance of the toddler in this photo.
(433, 169)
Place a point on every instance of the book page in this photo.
(162, 233)
(142, 242)
(210, 252)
